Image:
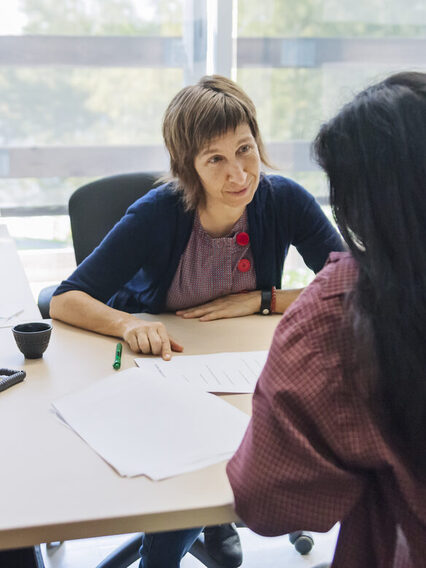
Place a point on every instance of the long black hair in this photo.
(374, 153)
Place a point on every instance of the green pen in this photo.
(117, 361)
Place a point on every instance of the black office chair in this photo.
(94, 209)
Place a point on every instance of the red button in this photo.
(244, 265)
(243, 239)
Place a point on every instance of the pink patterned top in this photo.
(315, 452)
(212, 267)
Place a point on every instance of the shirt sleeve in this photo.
(314, 236)
(130, 245)
(287, 474)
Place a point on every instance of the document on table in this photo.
(143, 426)
(219, 372)
(9, 312)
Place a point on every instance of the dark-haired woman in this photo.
(193, 245)
(338, 431)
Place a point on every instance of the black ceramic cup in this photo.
(32, 339)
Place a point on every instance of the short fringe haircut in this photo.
(195, 116)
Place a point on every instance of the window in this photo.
(300, 61)
(84, 85)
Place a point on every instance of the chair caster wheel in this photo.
(302, 541)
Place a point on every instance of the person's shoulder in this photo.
(338, 275)
(280, 183)
(283, 188)
(163, 193)
(164, 197)
(333, 282)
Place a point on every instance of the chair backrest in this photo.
(96, 207)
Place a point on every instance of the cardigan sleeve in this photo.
(311, 232)
(287, 474)
(134, 242)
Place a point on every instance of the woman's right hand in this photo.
(80, 309)
(150, 337)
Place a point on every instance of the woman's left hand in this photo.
(231, 306)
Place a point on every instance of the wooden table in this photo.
(13, 282)
(54, 487)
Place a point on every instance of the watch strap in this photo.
(265, 302)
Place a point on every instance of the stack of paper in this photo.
(142, 425)
(219, 372)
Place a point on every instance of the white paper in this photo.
(9, 312)
(219, 372)
(16, 300)
(9, 308)
(141, 425)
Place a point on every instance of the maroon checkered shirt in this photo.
(314, 454)
(211, 267)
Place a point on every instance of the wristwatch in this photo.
(265, 302)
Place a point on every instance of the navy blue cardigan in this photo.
(134, 265)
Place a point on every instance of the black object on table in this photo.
(9, 377)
